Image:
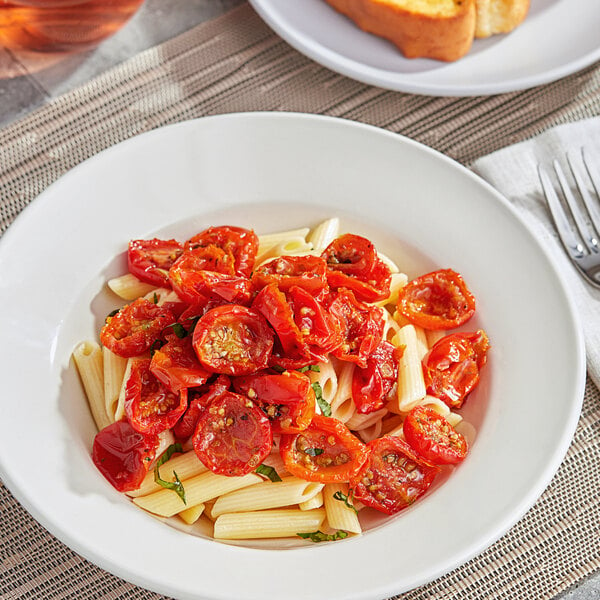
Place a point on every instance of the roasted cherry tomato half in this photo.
(233, 436)
(372, 385)
(150, 260)
(350, 254)
(132, 330)
(198, 399)
(233, 340)
(307, 272)
(287, 399)
(176, 364)
(326, 451)
(438, 300)
(353, 263)
(274, 307)
(123, 455)
(433, 438)
(361, 327)
(451, 367)
(241, 243)
(204, 258)
(150, 406)
(393, 476)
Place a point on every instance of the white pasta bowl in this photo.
(270, 172)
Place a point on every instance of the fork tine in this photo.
(563, 228)
(582, 227)
(593, 230)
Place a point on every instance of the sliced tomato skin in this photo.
(393, 476)
(240, 242)
(372, 385)
(361, 327)
(150, 406)
(176, 364)
(123, 455)
(198, 400)
(233, 436)
(341, 457)
(233, 340)
(437, 300)
(451, 367)
(150, 260)
(287, 398)
(274, 307)
(350, 254)
(306, 272)
(433, 438)
(135, 328)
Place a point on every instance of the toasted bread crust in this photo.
(499, 16)
(444, 37)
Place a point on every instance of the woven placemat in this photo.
(236, 63)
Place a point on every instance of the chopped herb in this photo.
(176, 485)
(268, 471)
(278, 368)
(323, 404)
(156, 345)
(155, 298)
(111, 314)
(319, 536)
(314, 368)
(313, 451)
(179, 330)
(345, 499)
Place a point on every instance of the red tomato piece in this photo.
(451, 368)
(437, 300)
(319, 329)
(350, 254)
(198, 400)
(197, 287)
(361, 327)
(274, 307)
(241, 243)
(287, 399)
(123, 455)
(135, 328)
(372, 385)
(393, 477)
(204, 258)
(233, 340)
(150, 260)
(233, 436)
(433, 438)
(307, 272)
(326, 451)
(150, 406)
(176, 364)
(352, 263)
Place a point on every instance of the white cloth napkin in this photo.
(513, 172)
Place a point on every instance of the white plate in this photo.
(273, 171)
(558, 37)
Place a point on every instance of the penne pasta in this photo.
(268, 494)
(327, 378)
(198, 489)
(192, 514)
(89, 362)
(411, 386)
(339, 514)
(315, 502)
(342, 405)
(323, 234)
(268, 523)
(114, 371)
(129, 287)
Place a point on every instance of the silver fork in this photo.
(577, 219)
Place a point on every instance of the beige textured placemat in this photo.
(236, 63)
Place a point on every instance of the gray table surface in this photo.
(29, 81)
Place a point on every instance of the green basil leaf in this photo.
(323, 404)
(176, 485)
(319, 536)
(313, 451)
(179, 330)
(345, 499)
(268, 471)
(314, 368)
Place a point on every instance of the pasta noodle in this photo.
(129, 287)
(342, 405)
(323, 234)
(114, 372)
(339, 514)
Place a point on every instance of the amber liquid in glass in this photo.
(61, 25)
